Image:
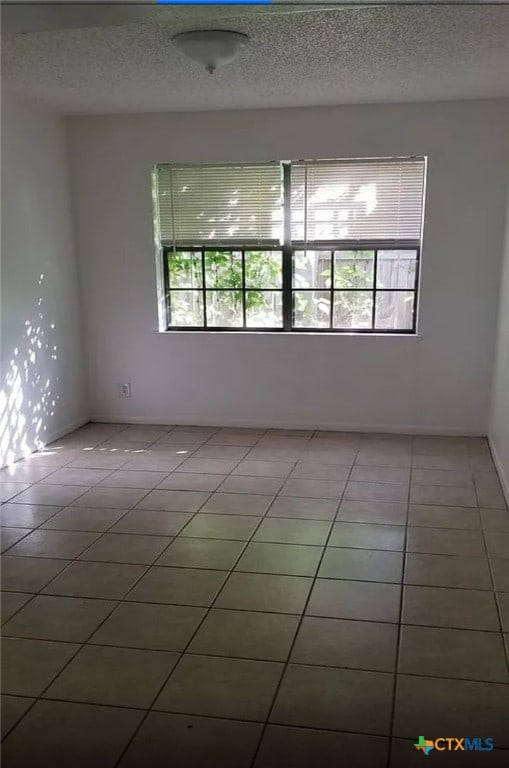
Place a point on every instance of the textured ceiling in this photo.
(305, 58)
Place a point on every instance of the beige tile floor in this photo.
(237, 598)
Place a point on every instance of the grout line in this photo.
(181, 653)
(299, 625)
(249, 610)
(148, 534)
(399, 634)
(286, 516)
(497, 604)
(272, 613)
(259, 572)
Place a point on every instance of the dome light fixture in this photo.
(211, 47)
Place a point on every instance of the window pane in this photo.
(396, 269)
(263, 269)
(186, 308)
(311, 309)
(352, 309)
(311, 269)
(184, 269)
(223, 269)
(224, 308)
(264, 309)
(353, 269)
(394, 309)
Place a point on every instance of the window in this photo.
(322, 246)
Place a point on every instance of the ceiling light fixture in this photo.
(211, 47)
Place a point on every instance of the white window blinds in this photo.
(223, 204)
(357, 200)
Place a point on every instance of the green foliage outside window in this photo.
(225, 277)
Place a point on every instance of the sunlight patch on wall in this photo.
(29, 395)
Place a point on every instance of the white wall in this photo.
(42, 387)
(499, 428)
(439, 382)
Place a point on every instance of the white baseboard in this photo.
(405, 429)
(502, 472)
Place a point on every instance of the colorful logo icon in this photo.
(424, 745)
(455, 744)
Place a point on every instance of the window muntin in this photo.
(302, 271)
(237, 289)
(355, 290)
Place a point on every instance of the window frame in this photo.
(168, 250)
(288, 290)
(288, 247)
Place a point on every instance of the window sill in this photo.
(292, 334)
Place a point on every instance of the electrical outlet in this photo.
(124, 389)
